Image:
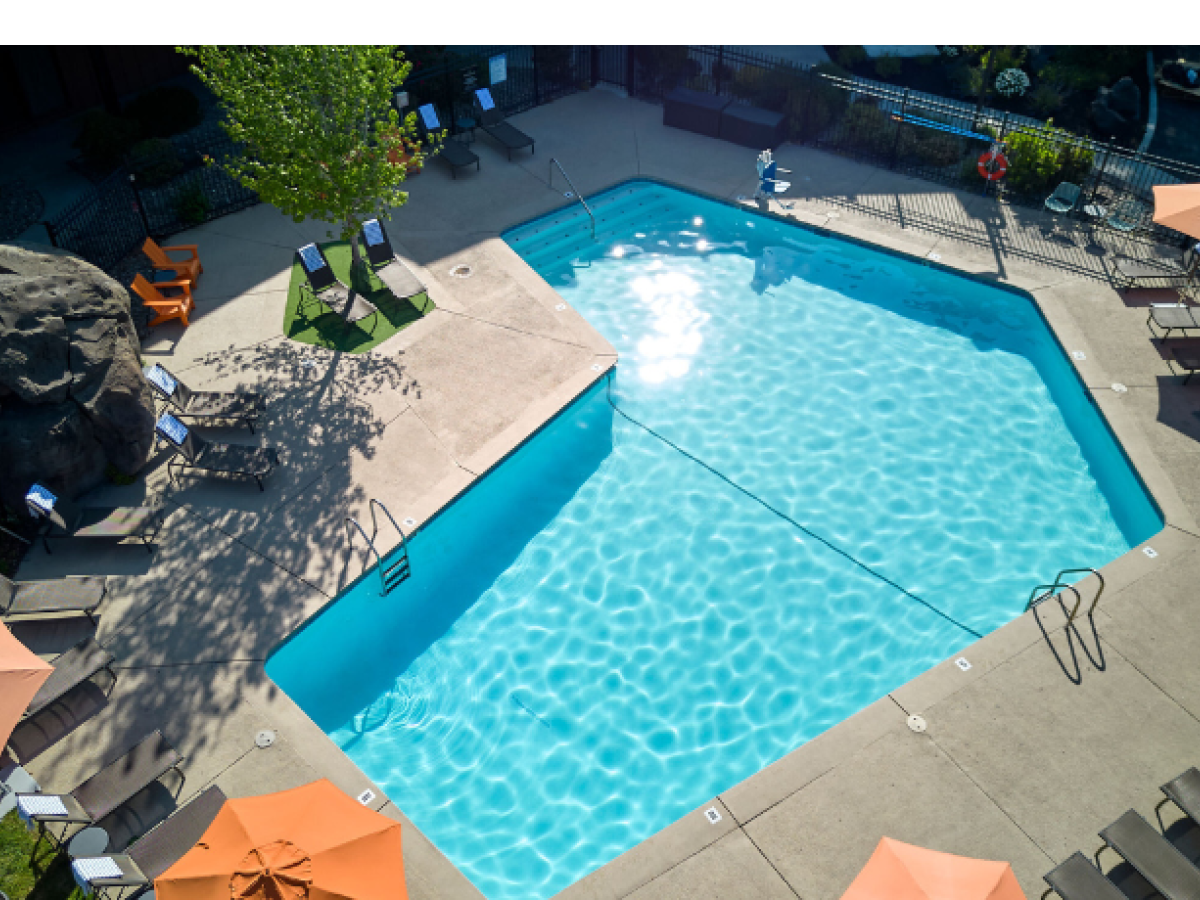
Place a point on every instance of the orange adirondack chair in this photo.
(189, 268)
(174, 307)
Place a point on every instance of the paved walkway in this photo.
(1048, 737)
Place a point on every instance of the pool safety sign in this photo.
(498, 68)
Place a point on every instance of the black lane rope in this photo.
(785, 517)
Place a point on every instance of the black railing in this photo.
(112, 219)
(931, 137)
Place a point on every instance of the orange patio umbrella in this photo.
(309, 843)
(22, 672)
(899, 871)
(1178, 206)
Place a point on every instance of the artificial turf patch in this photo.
(29, 875)
(319, 325)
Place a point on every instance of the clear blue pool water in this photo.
(818, 471)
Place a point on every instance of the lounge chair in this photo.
(237, 406)
(34, 598)
(1077, 879)
(193, 452)
(1154, 857)
(1188, 359)
(159, 849)
(1184, 792)
(189, 268)
(456, 154)
(62, 518)
(492, 121)
(71, 669)
(151, 759)
(395, 275)
(323, 286)
(1171, 318)
(165, 307)
(1126, 216)
(1063, 200)
(1131, 271)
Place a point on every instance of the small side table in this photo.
(91, 841)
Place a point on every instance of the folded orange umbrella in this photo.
(899, 871)
(22, 672)
(309, 843)
(1178, 206)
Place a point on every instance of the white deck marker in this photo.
(595, 367)
(934, 256)
(1119, 388)
(366, 796)
(917, 724)
(1150, 552)
(1078, 355)
(561, 307)
(962, 663)
(410, 522)
(713, 815)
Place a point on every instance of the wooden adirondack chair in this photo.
(174, 307)
(189, 268)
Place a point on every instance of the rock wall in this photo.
(72, 396)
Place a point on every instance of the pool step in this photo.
(554, 246)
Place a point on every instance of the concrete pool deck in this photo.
(1050, 735)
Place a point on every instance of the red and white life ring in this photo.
(992, 165)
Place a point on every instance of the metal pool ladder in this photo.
(575, 191)
(1050, 590)
(398, 571)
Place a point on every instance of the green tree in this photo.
(320, 134)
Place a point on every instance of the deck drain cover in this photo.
(917, 724)
(264, 739)
(461, 271)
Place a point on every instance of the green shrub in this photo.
(813, 105)
(888, 66)
(849, 57)
(1038, 160)
(1045, 99)
(936, 148)
(104, 139)
(869, 129)
(767, 88)
(164, 111)
(154, 162)
(965, 79)
(191, 202)
(1088, 67)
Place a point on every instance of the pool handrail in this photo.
(399, 571)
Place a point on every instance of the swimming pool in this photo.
(820, 470)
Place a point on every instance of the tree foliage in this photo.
(320, 134)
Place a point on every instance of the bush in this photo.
(888, 66)
(849, 57)
(1040, 159)
(104, 138)
(164, 111)
(1088, 67)
(1046, 99)
(1012, 83)
(813, 105)
(154, 162)
(191, 202)
(767, 88)
(869, 129)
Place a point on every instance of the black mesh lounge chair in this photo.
(231, 405)
(1184, 792)
(454, 153)
(67, 519)
(72, 669)
(79, 594)
(1154, 857)
(396, 276)
(193, 452)
(323, 286)
(1171, 318)
(1133, 272)
(158, 850)
(1077, 879)
(151, 759)
(492, 121)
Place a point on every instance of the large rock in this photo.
(1125, 98)
(72, 396)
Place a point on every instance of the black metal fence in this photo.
(113, 219)
(930, 137)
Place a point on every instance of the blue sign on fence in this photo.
(498, 68)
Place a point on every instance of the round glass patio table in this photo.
(91, 841)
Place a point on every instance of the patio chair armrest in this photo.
(183, 283)
(193, 249)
